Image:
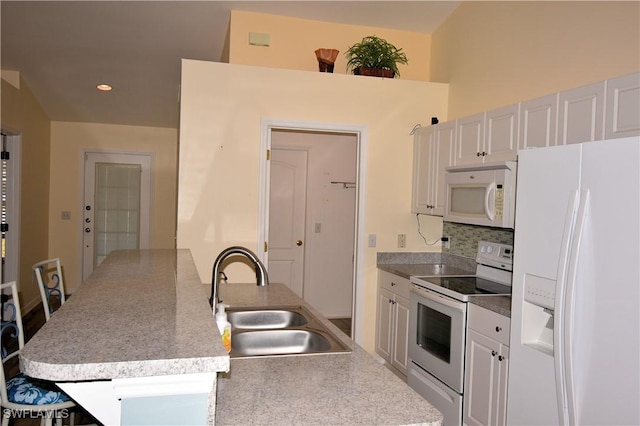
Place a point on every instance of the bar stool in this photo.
(51, 285)
(23, 396)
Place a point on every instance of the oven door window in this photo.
(434, 332)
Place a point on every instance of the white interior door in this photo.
(117, 192)
(287, 204)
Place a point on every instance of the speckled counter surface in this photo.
(141, 313)
(418, 264)
(336, 389)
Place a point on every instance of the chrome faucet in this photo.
(262, 279)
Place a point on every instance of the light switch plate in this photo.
(372, 240)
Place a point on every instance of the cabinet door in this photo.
(422, 170)
(503, 375)
(538, 122)
(501, 134)
(623, 107)
(581, 114)
(401, 334)
(481, 380)
(444, 156)
(470, 139)
(384, 324)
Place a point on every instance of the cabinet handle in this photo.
(477, 154)
(484, 153)
(494, 353)
(392, 283)
(500, 358)
(498, 329)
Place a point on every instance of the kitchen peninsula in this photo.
(142, 325)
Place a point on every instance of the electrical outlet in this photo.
(446, 242)
(402, 240)
(372, 240)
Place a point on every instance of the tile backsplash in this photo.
(464, 238)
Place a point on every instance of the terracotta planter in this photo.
(326, 58)
(374, 72)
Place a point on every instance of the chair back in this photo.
(12, 331)
(51, 284)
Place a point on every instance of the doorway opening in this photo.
(117, 203)
(10, 164)
(311, 203)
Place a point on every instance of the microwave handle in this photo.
(491, 188)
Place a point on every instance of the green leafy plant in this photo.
(374, 53)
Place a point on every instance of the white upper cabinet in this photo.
(488, 137)
(501, 134)
(444, 156)
(470, 139)
(581, 114)
(538, 118)
(433, 151)
(622, 116)
(422, 169)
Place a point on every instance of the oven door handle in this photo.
(435, 297)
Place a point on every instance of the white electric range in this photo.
(438, 325)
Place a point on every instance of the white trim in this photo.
(362, 133)
(12, 266)
(173, 384)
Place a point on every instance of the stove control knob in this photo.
(489, 249)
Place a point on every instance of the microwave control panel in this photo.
(499, 202)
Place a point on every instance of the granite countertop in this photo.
(409, 265)
(340, 388)
(141, 313)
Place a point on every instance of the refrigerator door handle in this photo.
(559, 308)
(491, 188)
(570, 291)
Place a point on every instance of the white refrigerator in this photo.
(575, 322)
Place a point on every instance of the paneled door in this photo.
(117, 192)
(287, 206)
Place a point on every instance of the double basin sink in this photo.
(280, 331)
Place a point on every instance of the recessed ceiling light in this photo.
(104, 87)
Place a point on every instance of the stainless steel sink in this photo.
(279, 342)
(291, 330)
(266, 319)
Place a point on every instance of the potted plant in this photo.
(375, 56)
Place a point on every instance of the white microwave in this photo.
(482, 194)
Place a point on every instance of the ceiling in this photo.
(64, 48)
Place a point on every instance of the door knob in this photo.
(299, 242)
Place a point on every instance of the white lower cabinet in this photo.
(392, 322)
(486, 369)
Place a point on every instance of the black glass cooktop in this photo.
(463, 286)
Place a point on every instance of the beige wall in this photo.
(294, 41)
(222, 107)
(22, 115)
(68, 140)
(499, 53)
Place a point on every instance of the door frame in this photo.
(115, 153)
(362, 134)
(12, 266)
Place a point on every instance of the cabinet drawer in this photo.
(489, 323)
(394, 283)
